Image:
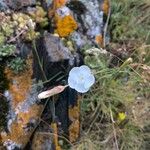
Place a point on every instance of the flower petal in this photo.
(81, 78)
(90, 80)
(85, 69)
(81, 89)
(74, 71)
(71, 82)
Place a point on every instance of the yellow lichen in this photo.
(55, 136)
(59, 3)
(105, 7)
(18, 133)
(74, 131)
(65, 25)
(74, 128)
(41, 140)
(99, 40)
(56, 4)
(19, 84)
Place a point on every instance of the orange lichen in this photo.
(99, 40)
(105, 7)
(65, 25)
(41, 140)
(74, 131)
(55, 135)
(19, 87)
(56, 4)
(19, 84)
(74, 128)
(18, 133)
(59, 3)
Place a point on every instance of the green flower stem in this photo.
(39, 61)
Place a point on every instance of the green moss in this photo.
(8, 28)
(7, 50)
(2, 38)
(17, 65)
(39, 16)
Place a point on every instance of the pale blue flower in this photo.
(81, 78)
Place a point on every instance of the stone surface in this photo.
(56, 50)
(56, 56)
(24, 108)
(3, 5)
(90, 21)
(42, 141)
(17, 4)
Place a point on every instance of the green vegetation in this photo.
(116, 91)
(130, 20)
(7, 50)
(110, 111)
(17, 65)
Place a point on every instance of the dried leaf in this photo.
(53, 91)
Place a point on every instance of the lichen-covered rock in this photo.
(74, 116)
(63, 19)
(60, 3)
(90, 19)
(58, 58)
(17, 4)
(65, 26)
(56, 49)
(24, 110)
(3, 5)
(82, 22)
(43, 141)
(4, 106)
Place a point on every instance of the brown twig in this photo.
(14, 38)
(107, 139)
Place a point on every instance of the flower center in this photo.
(81, 78)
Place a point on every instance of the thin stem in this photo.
(114, 130)
(48, 79)
(48, 133)
(54, 133)
(17, 36)
(39, 61)
(106, 24)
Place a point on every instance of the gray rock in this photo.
(56, 50)
(3, 5)
(90, 21)
(17, 4)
